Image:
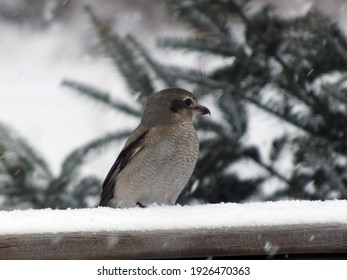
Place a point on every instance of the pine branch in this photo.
(331, 33)
(10, 141)
(74, 161)
(101, 97)
(270, 170)
(329, 90)
(209, 125)
(87, 186)
(233, 112)
(277, 148)
(158, 69)
(334, 178)
(203, 45)
(296, 82)
(274, 112)
(194, 76)
(203, 21)
(125, 59)
(76, 158)
(90, 188)
(258, 33)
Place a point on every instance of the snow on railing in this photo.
(269, 228)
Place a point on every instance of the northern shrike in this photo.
(159, 156)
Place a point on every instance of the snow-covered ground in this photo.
(173, 217)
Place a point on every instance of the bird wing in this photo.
(133, 146)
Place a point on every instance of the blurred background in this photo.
(75, 75)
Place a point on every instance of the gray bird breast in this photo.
(160, 171)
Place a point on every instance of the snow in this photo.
(156, 217)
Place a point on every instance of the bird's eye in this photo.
(188, 102)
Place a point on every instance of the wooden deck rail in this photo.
(233, 241)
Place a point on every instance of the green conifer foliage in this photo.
(294, 70)
(281, 66)
(26, 180)
(221, 144)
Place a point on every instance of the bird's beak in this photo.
(202, 110)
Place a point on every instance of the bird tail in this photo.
(103, 202)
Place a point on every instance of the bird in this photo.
(159, 156)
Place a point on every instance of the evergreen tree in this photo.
(219, 151)
(294, 70)
(26, 180)
(281, 66)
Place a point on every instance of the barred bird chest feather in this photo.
(159, 156)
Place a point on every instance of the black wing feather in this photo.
(123, 159)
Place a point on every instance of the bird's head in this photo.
(172, 105)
